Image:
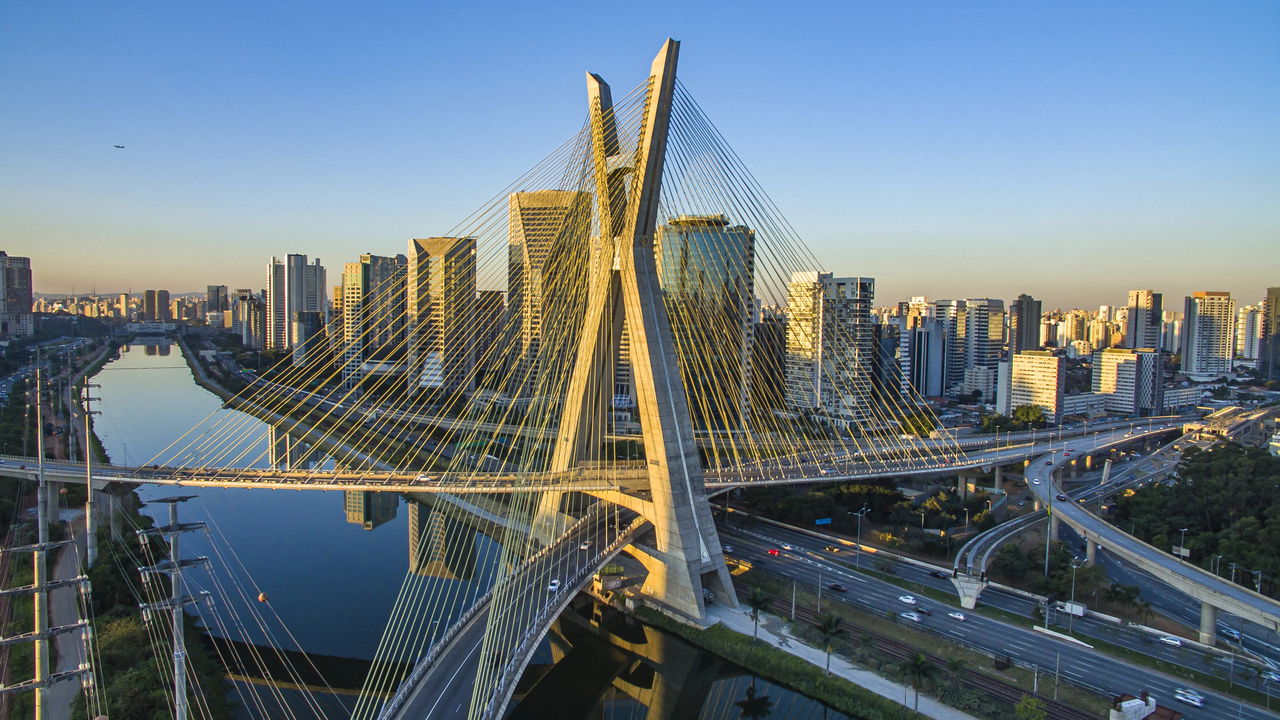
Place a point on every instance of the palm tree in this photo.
(955, 665)
(1145, 611)
(829, 629)
(916, 670)
(758, 601)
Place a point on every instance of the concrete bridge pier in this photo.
(969, 587)
(997, 484)
(1053, 528)
(1090, 551)
(1208, 624)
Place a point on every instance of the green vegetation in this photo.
(1228, 499)
(1029, 708)
(1024, 417)
(783, 668)
(919, 423)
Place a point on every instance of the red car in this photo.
(774, 551)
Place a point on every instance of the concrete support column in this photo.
(1053, 527)
(998, 484)
(1208, 624)
(1090, 551)
(1075, 469)
(1088, 462)
(969, 588)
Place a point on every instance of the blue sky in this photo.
(1073, 150)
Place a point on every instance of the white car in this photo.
(957, 615)
(1171, 640)
(1189, 696)
(553, 586)
(586, 545)
(913, 617)
(908, 599)
(787, 547)
(1035, 481)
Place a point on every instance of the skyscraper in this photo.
(149, 306)
(1131, 379)
(1037, 377)
(1024, 324)
(373, 314)
(1269, 343)
(1248, 333)
(164, 311)
(16, 318)
(980, 329)
(1143, 324)
(1208, 335)
(216, 299)
(293, 286)
(441, 301)
(948, 314)
(829, 346)
(547, 275)
(707, 271)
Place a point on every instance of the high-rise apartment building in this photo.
(441, 299)
(293, 286)
(1248, 333)
(829, 346)
(948, 314)
(216, 299)
(1143, 322)
(1037, 377)
(981, 330)
(149, 306)
(921, 355)
(1130, 378)
(164, 309)
(1024, 324)
(706, 268)
(16, 318)
(489, 357)
(1269, 344)
(373, 314)
(547, 277)
(370, 509)
(1208, 335)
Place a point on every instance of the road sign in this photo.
(822, 521)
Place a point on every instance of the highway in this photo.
(810, 565)
(1187, 577)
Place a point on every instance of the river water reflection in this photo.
(334, 582)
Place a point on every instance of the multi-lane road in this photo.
(810, 565)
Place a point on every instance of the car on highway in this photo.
(1035, 481)
(957, 615)
(586, 545)
(1022, 503)
(785, 546)
(1189, 696)
(1271, 676)
(1048, 462)
(938, 574)
(553, 586)
(913, 617)
(831, 548)
(774, 552)
(908, 599)
(1060, 497)
(1171, 640)
(837, 587)
(924, 610)
(728, 549)
(1229, 632)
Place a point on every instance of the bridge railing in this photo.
(437, 648)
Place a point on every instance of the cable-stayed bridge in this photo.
(628, 328)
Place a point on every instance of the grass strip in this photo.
(786, 669)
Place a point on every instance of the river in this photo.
(332, 583)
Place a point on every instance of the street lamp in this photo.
(1071, 616)
(858, 550)
(1182, 546)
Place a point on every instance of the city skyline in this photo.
(1127, 155)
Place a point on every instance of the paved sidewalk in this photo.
(773, 630)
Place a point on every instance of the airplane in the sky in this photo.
(118, 147)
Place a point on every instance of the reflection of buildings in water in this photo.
(601, 657)
(152, 346)
(370, 509)
(288, 452)
(439, 545)
(149, 350)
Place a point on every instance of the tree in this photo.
(1029, 416)
(1029, 708)
(955, 665)
(916, 670)
(829, 629)
(918, 423)
(758, 601)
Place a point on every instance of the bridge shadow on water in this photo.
(600, 664)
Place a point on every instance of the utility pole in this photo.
(177, 602)
(857, 552)
(41, 586)
(91, 538)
